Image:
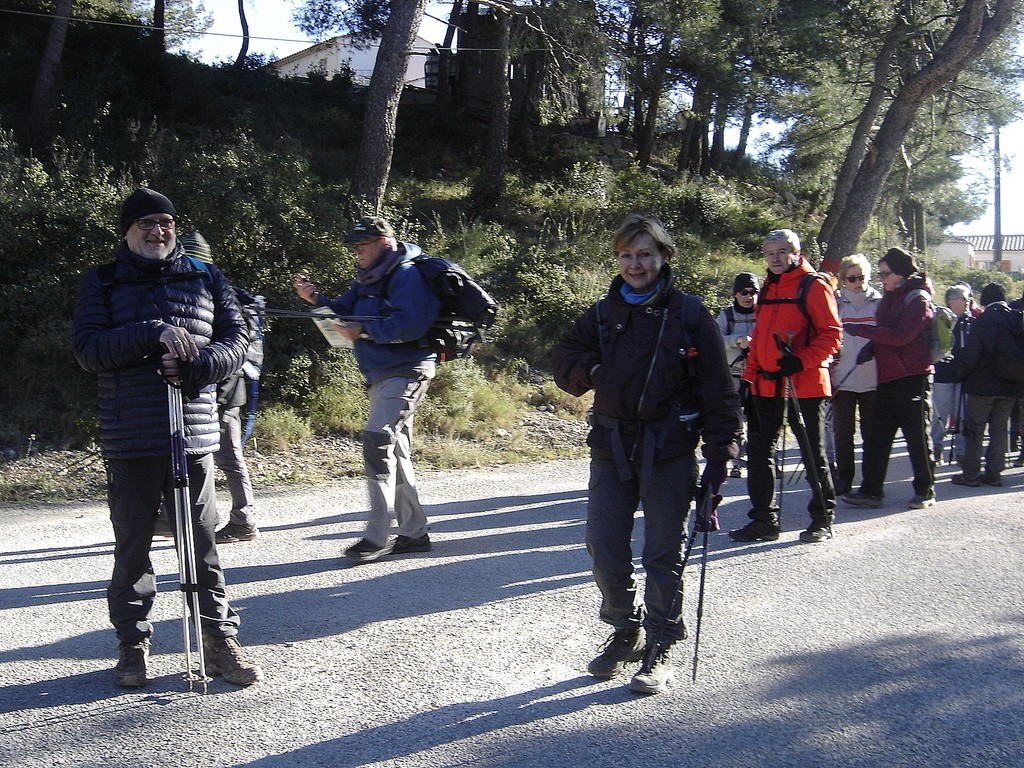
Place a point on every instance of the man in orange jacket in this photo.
(796, 333)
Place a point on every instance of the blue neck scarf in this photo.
(640, 298)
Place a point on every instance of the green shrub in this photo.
(338, 402)
(462, 402)
(278, 427)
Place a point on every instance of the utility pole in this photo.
(997, 246)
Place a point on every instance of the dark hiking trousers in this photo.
(764, 419)
(611, 508)
(136, 489)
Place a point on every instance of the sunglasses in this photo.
(855, 278)
(747, 292)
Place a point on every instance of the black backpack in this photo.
(467, 310)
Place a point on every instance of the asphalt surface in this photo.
(898, 643)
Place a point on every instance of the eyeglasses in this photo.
(362, 243)
(747, 292)
(884, 273)
(855, 278)
(147, 225)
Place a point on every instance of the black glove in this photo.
(789, 364)
(744, 393)
(710, 481)
(866, 353)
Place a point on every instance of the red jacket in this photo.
(814, 343)
(900, 332)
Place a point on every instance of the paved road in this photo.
(897, 644)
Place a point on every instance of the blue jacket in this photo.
(116, 336)
(407, 306)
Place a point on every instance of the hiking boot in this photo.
(756, 530)
(224, 657)
(865, 500)
(736, 472)
(655, 672)
(963, 479)
(815, 534)
(622, 647)
(130, 671)
(937, 454)
(922, 500)
(365, 551)
(402, 544)
(994, 480)
(233, 532)
(1019, 461)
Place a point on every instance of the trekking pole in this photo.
(185, 541)
(302, 314)
(704, 512)
(800, 428)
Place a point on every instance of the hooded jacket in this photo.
(813, 342)
(617, 367)
(117, 336)
(899, 333)
(991, 335)
(407, 307)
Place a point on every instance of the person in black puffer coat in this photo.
(990, 397)
(656, 362)
(150, 319)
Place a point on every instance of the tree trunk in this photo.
(38, 127)
(974, 31)
(647, 113)
(373, 162)
(443, 99)
(244, 50)
(159, 25)
(862, 131)
(490, 184)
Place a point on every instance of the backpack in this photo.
(467, 310)
(800, 299)
(940, 334)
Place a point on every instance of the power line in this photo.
(197, 33)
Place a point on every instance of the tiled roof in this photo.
(988, 242)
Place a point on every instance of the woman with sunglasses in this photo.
(737, 325)
(904, 364)
(853, 383)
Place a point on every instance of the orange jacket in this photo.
(814, 345)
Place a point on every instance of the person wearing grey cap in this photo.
(397, 369)
(147, 320)
(737, 325)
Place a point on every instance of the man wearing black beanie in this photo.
(737, 325)
(147, 320)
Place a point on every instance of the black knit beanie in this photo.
(900, 262)
(744, 280)
(143, 202)
(992, 293)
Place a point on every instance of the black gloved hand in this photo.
(866, 353)
(744, 389)
(789, 364)
(710, 481)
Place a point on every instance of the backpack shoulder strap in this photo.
(730, 320)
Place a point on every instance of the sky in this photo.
(272, 33)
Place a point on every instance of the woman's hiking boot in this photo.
(622, 647)
(655, 672)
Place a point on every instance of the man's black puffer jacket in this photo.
(116, 336)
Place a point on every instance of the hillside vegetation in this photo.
(259, 165)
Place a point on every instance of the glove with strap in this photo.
(710, 481)
(789, 365)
